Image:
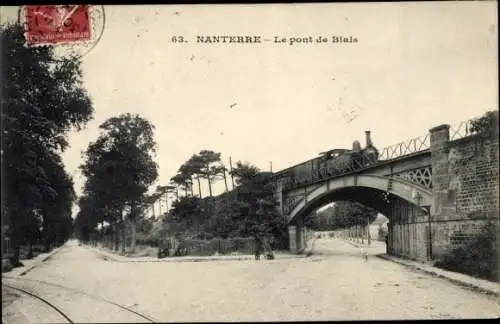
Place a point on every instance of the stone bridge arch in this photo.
(344, 188)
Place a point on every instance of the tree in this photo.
(119, 168)
(244, 172)
(87, 219)
(208, 164)
(205, 165)
(57, 222)
(42, 100)
(258, 215)
(193, 168)
(188, 214)
(182, 180)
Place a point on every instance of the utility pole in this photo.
(225, 180)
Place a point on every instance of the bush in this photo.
(478, 258)
(6, 265)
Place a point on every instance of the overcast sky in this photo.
(414, 66)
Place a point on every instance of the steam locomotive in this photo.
(331, 163)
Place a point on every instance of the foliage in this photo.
(478, 257)
(42, 101)
(243, 171)
(486, 124)
(187, 213)
(247, 211)
(256, 205)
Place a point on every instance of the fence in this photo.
(207, 247)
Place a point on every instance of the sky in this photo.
(415, 66)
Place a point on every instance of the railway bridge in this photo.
(430, 187)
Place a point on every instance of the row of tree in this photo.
(119, 169)
(42, 101)
(342, 214)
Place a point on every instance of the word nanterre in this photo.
(228, 39)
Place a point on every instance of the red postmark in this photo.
(56, 24)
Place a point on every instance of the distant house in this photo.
(380, 221)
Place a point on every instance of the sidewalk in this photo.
(29, 264)
(455, 277)
(190, 258)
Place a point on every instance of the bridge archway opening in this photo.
(397, 210)
(379, 200)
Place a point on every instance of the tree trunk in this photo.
(116, 237)
(123, 236)
(30, 251)
(199, 185)
(15, 258)
(225, 180)
(368, 236)
(209, 186)
(133, 231)
(133, 225)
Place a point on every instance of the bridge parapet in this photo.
(406, 149)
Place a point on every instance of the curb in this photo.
(37, 262)
(51, 254)
(435, 274)
(123, 259)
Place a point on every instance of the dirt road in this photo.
(337, 285)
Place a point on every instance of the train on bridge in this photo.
(330, 163)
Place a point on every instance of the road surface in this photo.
(336, 285)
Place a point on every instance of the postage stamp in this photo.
(73, 28)
(57, 24)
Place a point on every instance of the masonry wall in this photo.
(465, 188)
(472, 193)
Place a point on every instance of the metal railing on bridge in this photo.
(404, 148)
(464, 129)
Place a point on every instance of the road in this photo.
(336, 285)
